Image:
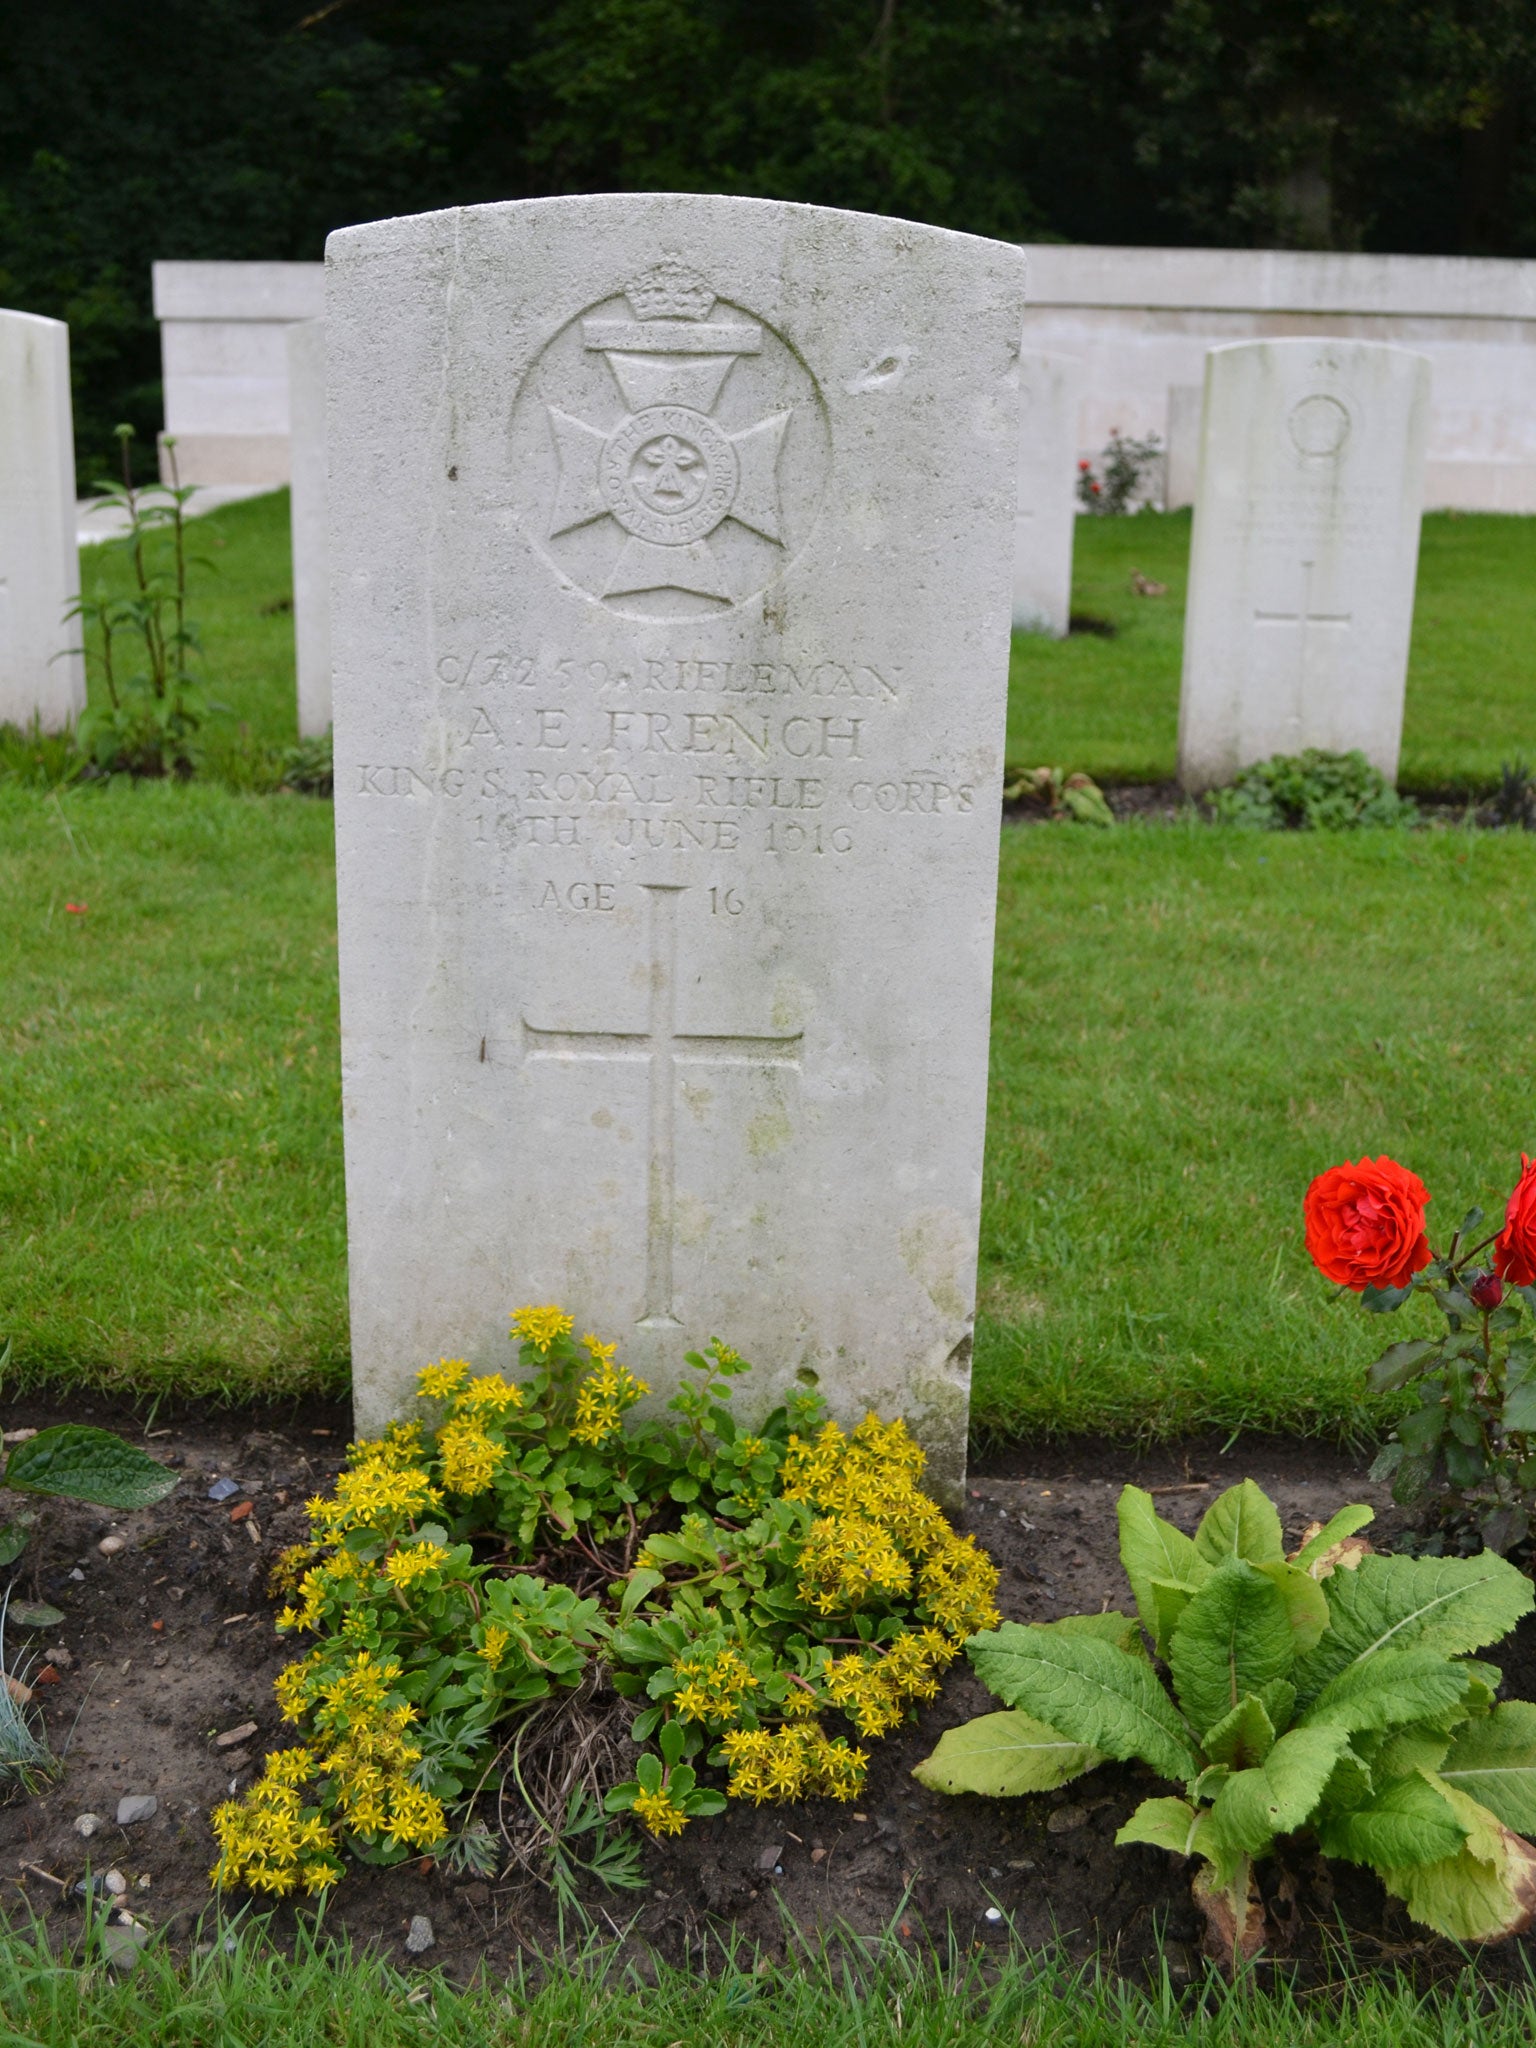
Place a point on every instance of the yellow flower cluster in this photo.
(442, 1381)
(267, 1841)
(958, 1585)
(873, 1689)
(657, 1812)
(493, 1644)
(795, 1762)
(368, 1758)
(469, 1456)
(875, 1522)
(541, 1326)
(713, 1687)
(490, 1395)
(375, 1490)
(403, 1567)
(845, 1559)
(602, 1398)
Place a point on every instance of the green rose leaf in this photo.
(1494, 1762)
(1383, 1301)
(1406, 1823)
(1282, 1793)
(1451, 1605)
(1240, 1523)
(1233, 1637)
(88, 1464)
(1398, 1363)
(1096, 1695)
(1520, 1406)
(1004, 1755)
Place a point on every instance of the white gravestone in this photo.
(672, 540)
(1181, 461)
(1303, 556)
(1047, 505)
(42, 673)
(309, 520)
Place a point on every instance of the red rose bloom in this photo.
(1365, 1224)
(1514, 1249)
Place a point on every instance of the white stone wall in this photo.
(1142, 320)
(224, 356)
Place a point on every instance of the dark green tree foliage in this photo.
(244, 129)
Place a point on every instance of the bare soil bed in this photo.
(171, 1645)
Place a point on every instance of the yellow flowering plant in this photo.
(746, 1590)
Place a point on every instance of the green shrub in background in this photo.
(1311, 792)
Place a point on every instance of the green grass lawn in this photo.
(1112, 706)
(1189, 1024)
(170, 1134)
(845, 1997)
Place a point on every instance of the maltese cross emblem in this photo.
(669, 474)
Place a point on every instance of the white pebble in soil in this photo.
(136, 1806)
(420, 1938)
(88, 1824)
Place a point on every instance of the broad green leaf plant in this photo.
(1333, 1692)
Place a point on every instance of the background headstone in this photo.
(39, 560)
(1047, 503)
(310, 538)
(1181, 439)
(1304, 552)
(672, 542)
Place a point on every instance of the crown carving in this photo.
(669, 290)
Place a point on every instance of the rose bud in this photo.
(1486, 1289)
(1365, 1224)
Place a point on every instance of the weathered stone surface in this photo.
(1305, 547)
(39, 561)
(672, 550)
(311, 539)
(1049, 392)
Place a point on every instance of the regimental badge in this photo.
(691, 470)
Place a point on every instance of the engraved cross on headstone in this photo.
(664, 1048)
(1304, 620)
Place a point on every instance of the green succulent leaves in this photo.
(1332, 1691)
